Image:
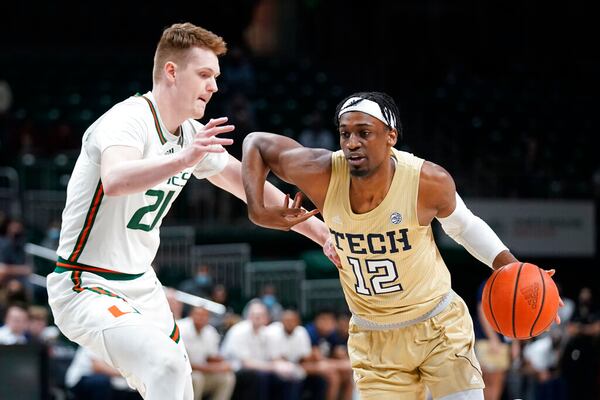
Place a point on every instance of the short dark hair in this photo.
(386, 103)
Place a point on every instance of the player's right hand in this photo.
(206, 141)
(281, 217)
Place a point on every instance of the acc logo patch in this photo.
(396, 218)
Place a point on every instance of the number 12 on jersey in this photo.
(383, 272)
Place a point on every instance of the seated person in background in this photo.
(39, 331)
(290, 341)
(200, 284)
(175, 305)
(222, 322)
(268, 296)
(260, 376)
(89, 378)
(210, 373)
(12, 252)
(15, 326)
(492, 352)
(329, 358)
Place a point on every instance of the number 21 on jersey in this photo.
(381, 274)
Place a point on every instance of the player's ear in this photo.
(169, 70)
(392, 137)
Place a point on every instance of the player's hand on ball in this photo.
(551, 273)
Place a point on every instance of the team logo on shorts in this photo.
(396, 218)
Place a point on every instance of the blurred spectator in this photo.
(211, 374)
(268, 297)
(15, 326)
(290, 341)
(329, 357)
(222, 322)
(315, 134)
(543, 355)
(493, 353)
(13, 291)
(581, 359)
(12, 251)
(90, 378)
(52, 235)
(39, 331)
(201, 284)
(247, 346)
(175, 305)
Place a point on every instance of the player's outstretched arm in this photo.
(307, 168)
(438, 198)
(230, 179)
(123, 170)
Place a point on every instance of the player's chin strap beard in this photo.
(368, 107)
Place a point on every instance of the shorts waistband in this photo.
(372, 326)
(63, 265)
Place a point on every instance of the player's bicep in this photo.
(301, 164)
(437, 192)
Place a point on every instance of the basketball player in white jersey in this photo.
(408, 329)
(134, 162)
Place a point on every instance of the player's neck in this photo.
(167, 109)
(368, 192)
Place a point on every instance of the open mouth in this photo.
(355, 159)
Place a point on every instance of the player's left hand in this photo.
(551, 273)
(283, 217)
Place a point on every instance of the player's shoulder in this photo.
(436, 185)
(132, 108)
(432, 173)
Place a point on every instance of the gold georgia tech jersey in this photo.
(392, 270)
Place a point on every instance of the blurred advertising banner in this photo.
(538, 228)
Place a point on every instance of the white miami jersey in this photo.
(121, 233)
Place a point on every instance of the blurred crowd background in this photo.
(501, 94)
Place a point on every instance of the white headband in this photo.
(368, 107)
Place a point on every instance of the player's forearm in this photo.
(134, 176)
(254, 176)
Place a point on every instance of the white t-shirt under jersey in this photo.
(121, 233)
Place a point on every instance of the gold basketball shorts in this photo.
(437, 352)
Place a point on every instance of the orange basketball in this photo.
(520, 300)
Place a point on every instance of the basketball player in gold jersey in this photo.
(408, 329)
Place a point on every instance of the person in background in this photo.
(211, 374)
(201, 284)
(222, 322)
(247, 347)
(268, 296)
(89, 378)
(15, 326)
(39, 331)
(328, 358)
(493, 353)
(175, 305)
